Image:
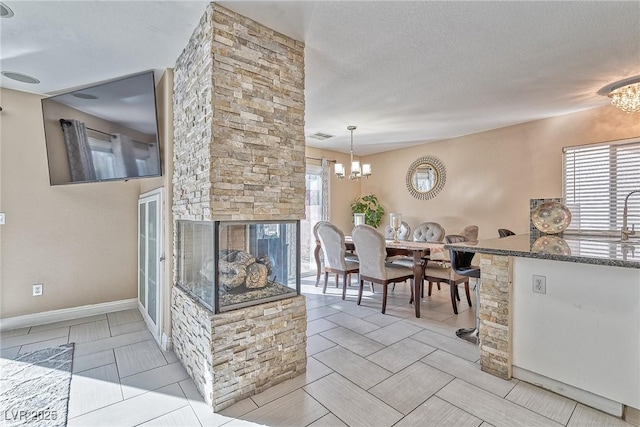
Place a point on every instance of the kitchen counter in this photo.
(562, 313)
(580, 249)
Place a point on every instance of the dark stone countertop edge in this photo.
(478, 248)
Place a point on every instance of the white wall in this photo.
(584, 331)
(78, 240)
(492, 175)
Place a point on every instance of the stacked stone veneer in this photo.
(238, 122)
(233, 355)
(495, 315)
(238, 155)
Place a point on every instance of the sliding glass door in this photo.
(316, 209)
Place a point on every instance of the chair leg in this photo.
(457, 293)
(384, 298)
(326, 279)
(430, 287)
(316, 255)
(453, 287)
(438, 285)
(466, 289)
(371, 286)
(411, 284)
(344, 286)
(360, 291)
(337, 280)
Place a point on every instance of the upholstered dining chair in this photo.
(470, 232)
(428, 232)
(439, 259)
(370, 246)
(505, 232)
(425, 232)
(334, 250)
(404, 233)
(318, 250)
(438, 273)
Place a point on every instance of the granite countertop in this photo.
(579, 249)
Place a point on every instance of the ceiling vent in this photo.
(321, 136)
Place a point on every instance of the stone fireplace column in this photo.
(238, 156)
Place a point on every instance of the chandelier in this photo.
(356, 171)
(626, 97)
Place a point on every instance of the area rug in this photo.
(34, 387)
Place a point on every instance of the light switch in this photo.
(1, 218)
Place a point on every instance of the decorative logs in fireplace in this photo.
(240, 268)
(233, 264)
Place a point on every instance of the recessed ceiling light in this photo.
(5, 11)
(20, 77)
(84, 95)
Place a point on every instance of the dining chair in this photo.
(334, 251)
(425, 232)
(437, 273)
(317, 251)
(438, 267)
(429, 232)
(461, 264)
(371, 248)
(470, 232)
(505, 232)
(404, 232)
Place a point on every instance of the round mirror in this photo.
(426, 177)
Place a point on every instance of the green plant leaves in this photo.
(370, 206)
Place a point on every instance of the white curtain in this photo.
(326, 169)
(122, 147)
(78, 150)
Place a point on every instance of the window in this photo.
(104, 161)
(597, 179)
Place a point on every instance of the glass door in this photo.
(315, 210)
(149, 258)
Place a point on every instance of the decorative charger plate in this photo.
(551, 217)
(551, 245)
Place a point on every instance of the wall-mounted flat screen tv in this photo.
(105, 132)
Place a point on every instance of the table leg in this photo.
(417, 279)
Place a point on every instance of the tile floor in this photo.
(364, 369)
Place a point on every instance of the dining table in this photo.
(418, 250)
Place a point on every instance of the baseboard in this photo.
(166, 342)
(66, 314)
(593, 400)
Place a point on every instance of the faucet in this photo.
(625, 232)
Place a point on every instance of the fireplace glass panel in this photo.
(234, 264)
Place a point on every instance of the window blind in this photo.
(597, 178)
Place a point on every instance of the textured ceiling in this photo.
(403, 72)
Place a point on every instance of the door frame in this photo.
(157, 328)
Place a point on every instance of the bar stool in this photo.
(461, 264)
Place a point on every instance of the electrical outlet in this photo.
(540, 284)
(37, 289)
(2, 218)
